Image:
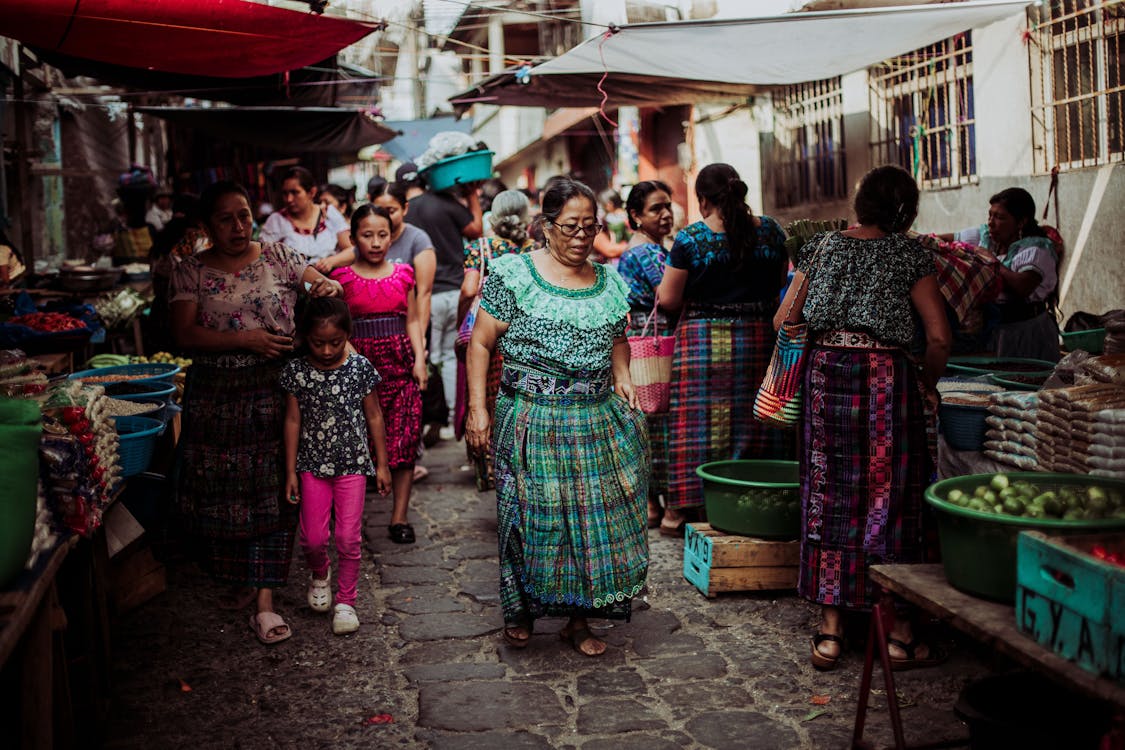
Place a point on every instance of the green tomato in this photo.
(957, 497)
(979, 491)
(990, 497)
(979, 505)
(1033, 511)
(1074, 514)
(1014, 506)
(999, 482)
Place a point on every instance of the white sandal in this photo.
(320, 593)
(344, 619)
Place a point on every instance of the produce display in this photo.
(770, 499)
(163, 357)
(48, 322)
(1028, 500)
(81, 468)
(17, 376)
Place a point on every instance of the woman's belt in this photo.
(230, 360)
(760, 309)
(850, 340)
(1017, 311)
(379, 328)
(559, 390)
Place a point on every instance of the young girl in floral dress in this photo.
(388, 332)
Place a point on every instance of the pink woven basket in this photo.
(650, 366)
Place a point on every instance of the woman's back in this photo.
(714, 278)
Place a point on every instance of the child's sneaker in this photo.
(320, 593)
(344, 619)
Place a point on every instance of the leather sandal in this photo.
(514, 640)
(401, 533)
(935, 657)
(821, 661)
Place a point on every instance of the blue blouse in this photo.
(713, 277)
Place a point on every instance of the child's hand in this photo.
(383, 480)
(293, 489)
(421, 374)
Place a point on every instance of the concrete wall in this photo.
(731, 138)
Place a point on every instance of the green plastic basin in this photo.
(752, 498)
(20, 428)
(978, 549)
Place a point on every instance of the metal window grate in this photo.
(1076, 61)
(923, 116)
(808, 157)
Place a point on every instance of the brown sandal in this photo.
(514, 640)
(819, 660)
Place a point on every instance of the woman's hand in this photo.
(628, 392)
(325, 287)
(292, 488)
(383, 479)
(478, 425)
(421, 374)
(325, 266)
(266, 344)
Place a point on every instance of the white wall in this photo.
(732, 139)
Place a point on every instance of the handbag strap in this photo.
(485, 252)
(802, 289)
(652, 318)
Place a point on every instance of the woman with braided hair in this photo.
(726, 272)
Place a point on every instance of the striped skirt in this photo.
(399, 395)
(718, 368)
(229, 474)
(571, 465)
(865, 462)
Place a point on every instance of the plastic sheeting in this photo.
(689, 61)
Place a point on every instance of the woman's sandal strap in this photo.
(820, 638)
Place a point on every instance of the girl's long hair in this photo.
(725, 190)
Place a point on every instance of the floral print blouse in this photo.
(333, 441)
(557, 329)
(497, 246)
(261, 295)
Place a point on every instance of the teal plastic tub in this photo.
(1091, 340)
(998, 366)
(753, 498)
(137, 436)
(458, 170)
(978, 549)
(20, 430)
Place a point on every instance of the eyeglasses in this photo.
(573, 230)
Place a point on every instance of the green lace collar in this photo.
(604, 303)
(590, 291)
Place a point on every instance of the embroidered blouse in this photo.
(333, 441)
(563, 330)
(864, 285)
(318, 243)
(386, 296)
(642, 268)
(497, 246)
(261, 295)
(712, 276)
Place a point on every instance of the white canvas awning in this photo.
(687, 61)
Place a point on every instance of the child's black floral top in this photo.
(334, 441)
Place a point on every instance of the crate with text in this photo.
(717, 562)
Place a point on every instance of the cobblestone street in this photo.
(729, 672)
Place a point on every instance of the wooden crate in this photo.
(715, 561)
(1071, 602)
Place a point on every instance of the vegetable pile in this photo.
(48, 322)
(771, 500)
(1027, 500)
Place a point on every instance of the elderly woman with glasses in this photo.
(569, 444)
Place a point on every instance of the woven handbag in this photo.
(465, 330)
(778, 402)
(650, 366)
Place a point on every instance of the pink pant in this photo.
(320, 498)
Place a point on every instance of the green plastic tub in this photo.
(1091, 340)
(20, 428)
(998, 366)
(978, 549)
(752, 498)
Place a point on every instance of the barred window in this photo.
(1076, 61)
(808, 154)
(923, 115)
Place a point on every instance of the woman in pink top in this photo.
(388, 331)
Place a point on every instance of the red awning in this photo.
(222, 38)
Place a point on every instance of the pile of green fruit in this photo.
(1027, 500)
(164, 358)
(771, 500)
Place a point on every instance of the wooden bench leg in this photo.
(877, 639)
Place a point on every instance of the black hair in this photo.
(553, 181)
(887, 197)
(489, 189)
(322, 310)
(610, 196)
(724, 189)
(375, 186)
(336, 192)
(638, 194)
(396, 190)
(303, 176)
(366, 210)
(560, 191)
(209, 199)
(1019, 203)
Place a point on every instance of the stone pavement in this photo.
(729, 672)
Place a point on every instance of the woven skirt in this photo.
(718, 367)
(865, 462)
(399, 395)
(571, 464)
(229, 473)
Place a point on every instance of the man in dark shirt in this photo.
(449, 222)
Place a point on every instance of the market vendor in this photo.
(1022, 322)
(305, 224)
(232, 307)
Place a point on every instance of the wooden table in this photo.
(990, 623)
(33, 657)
